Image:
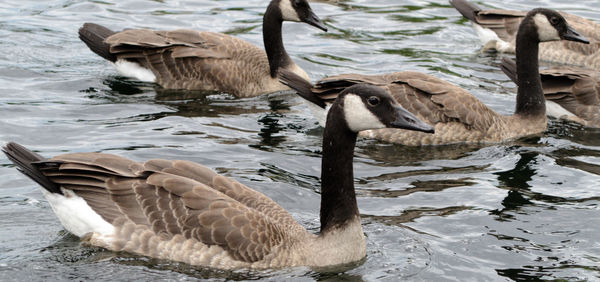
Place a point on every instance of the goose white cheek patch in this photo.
(357, 116)
(288, 12)
(546, 31)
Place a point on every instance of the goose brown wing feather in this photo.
(575, 89)
(216, 219)
(121, 193)
(448, 101)
(227, 186)
(147, 38)
(504, 23)
(103, 162)
(582, 84)
(88, 175)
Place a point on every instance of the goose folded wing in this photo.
(576, 90)
(172, 55)
(145, 39)
(504, 23)
(235, 190)
(583, 86)
(213, 218)
(436, 100)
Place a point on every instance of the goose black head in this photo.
(300, 11)
(552, 26)
(370, 107)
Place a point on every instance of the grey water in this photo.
(522, 210)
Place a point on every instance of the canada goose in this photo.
(202, 60)
(457, 115)
(571, 93)
(497, 30)
(182, 211)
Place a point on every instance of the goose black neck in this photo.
(338, 200)
(273, 42)
(530, 96)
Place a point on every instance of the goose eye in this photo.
(373, 101)
(554, 20)
(296, 2)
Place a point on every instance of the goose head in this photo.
(299, 11)
(552, 26)
(366, 106)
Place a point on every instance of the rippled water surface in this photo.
(528, 209)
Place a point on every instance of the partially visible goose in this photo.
(182, 211)
(457, 115)
(571, 93)
(497, 30)
(202, 60)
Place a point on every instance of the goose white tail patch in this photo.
(490, 39)
(546, 31)
(357, 116)
(288, 12)
(485, 34)
(131, 69)
(557, 111)
(76, 215)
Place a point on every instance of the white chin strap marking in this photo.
(357, 116)
(546, 31)
(288, 12)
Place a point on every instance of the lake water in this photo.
(524, 210)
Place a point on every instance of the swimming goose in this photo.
(497, 30)
(457, 115)
(202, 60)
(182, 211)
(571, 93)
